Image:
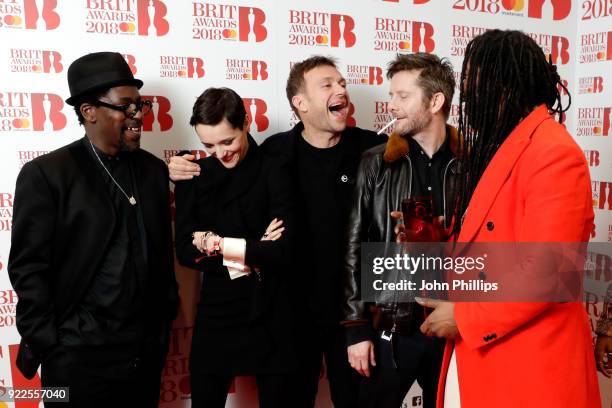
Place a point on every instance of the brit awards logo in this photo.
(127, 17)
(131, 61)
(22, 111)
(592, 157)
(256, 110)
(596, 47)
(363, 75)
(382, 115)
(453, 116)
(399, 35)
(317, 28)
(594, 121)
(25, 156)
(180, 67)
(224, 22)
(541, 9)
(602, 195)
(588, 85)
(593, 9)
(35, 61)
(168, 154)
(246, 70)
(461, 35)
(8, 303)
(6, 211)
(29, 14)
(159, 119)
(557, 47)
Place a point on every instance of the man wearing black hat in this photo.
(91, 249)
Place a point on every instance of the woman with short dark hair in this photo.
(233, 223)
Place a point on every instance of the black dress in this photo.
(242, 325)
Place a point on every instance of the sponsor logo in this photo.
(596, 47)
(594, 121)
(159, 119)
(246, 70)
(589, 85)
(6, 211)
(223, 22)
(36, 61)
(127, 17)
(393, 34)
(592, 157)
(363, 75)
(180, 67)
(540, 9)
(317, 28)
(256, 110)
(29, 155)
(31, 112)
(602, 194)
(29, 14)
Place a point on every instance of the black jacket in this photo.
(382, 184)
(63, 221)
(243, 326)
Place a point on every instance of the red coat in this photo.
(536, 189)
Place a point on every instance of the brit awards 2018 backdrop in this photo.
(181, 47)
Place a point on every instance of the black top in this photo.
(111, 310)
(325, 179)
(242, 325)
(428, 174)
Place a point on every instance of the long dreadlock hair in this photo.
(505, 76)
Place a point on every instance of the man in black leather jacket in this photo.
(417, 161)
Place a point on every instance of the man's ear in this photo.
(89, 112)
(299, 102)
(437, 102)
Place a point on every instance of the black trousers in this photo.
(104, 376)
(327, 342)
(210, 391)
(398, 364)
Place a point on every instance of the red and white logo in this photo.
(256, 110)
(6, 211)
(596, 47)
(31, 111)
(602, 194)
(36, 61)
(29, 155)
(29, 14)
(540, 9)
(131, 61)
(594, 121)
(592, 157)
(552, 45)
(8, 303)
(382, 116)
(175, 385)
(228, 22)
(363, 75)
(589, 85)
(180, 67)
(392, 34)
(453, 116)
(310, 28)
(159, 119)
(246, 70)
(461, 36)
(127, 17)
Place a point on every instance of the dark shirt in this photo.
(111, 311)
(428, 174)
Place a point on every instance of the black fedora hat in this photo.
(97, 71)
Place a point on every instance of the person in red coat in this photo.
(523, 180)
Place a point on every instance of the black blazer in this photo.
(242, 326)
(62, 223)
